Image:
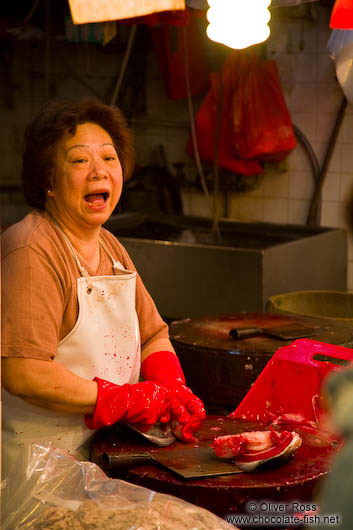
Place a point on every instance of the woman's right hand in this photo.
(144, 403)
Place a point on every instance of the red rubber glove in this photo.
(187, 410)
(144, 403)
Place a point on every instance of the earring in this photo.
(48, 192)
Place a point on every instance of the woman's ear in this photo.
(50, 190)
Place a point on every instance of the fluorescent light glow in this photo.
(238, 23)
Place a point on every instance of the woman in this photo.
(74, 309)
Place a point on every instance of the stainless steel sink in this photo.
(190, 274)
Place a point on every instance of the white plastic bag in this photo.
(340, 46)
(62, 493)
(289, 3)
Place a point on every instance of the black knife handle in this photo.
(123, 461)
(244, 333)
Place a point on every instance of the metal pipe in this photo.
(320, 182)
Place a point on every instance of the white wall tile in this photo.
(330, 213)
(350, 276)
(298, 211)
(350, 246)
(309, 37)
(248, 208)
(304, 98)
(326, 71)
(346, 186)
(307, 68)
(298, 159)
(175, 147)
(320, 149)
(349, 109)
(233, 206)
(324, 123)
(301, 185)
(306, 122)
(346, 158)
(331, 187)
(196, 204)
(276, 185)
(346, 132)
(329, 97)
(276, 211)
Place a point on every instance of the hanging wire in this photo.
(30, 13)
(192, 124)
(215, 225)
(124, 64)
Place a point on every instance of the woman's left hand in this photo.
(187, 412)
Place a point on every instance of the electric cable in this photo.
(124, 64)
(192, 125)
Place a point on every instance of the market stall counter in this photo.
(224, 494)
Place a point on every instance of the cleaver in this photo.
(195, 462)
(283, 332)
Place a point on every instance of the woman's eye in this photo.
(110, 157)
(79, 161)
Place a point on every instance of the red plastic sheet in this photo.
(342, 15)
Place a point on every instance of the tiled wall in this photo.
(313, 97)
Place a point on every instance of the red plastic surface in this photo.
(342, 15)
(292, 380)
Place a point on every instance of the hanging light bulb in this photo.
(238, 23)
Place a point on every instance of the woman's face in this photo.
(87, 178)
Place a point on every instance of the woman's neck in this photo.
(84, 242)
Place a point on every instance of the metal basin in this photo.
(335, 305)
(189, 273)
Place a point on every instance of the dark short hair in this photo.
(45, 131)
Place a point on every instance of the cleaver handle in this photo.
(123, 461)
(245, 333)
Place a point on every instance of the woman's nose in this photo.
(98, 169)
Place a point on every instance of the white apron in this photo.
(105, 342)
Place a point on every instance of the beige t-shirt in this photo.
(39, 289)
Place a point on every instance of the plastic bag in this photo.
(289, 3)
(342, 15)
(62, 493)
(256, 126)
(338, 40)
(262, 126)
(169, 45)
(205, 126)
(340, 46)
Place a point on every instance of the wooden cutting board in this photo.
(208, 352)
(117, 451)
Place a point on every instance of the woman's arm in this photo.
(49, 385)
(161, 344)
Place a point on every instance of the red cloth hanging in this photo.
(177, 18)
(168, 40)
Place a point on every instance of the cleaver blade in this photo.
(195, 462)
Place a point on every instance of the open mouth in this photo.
(97, 198)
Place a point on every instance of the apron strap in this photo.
(116, 264)
(82, 270)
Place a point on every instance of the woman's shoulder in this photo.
(20, 234)
(34, 233)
